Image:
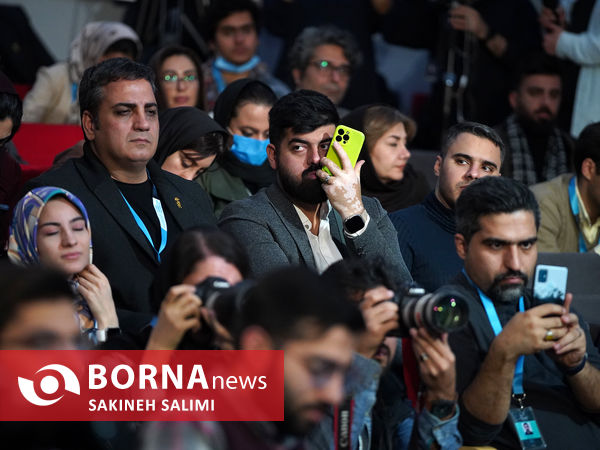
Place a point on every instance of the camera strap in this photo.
(161, 220)
(342, 424)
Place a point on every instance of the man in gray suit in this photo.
(308, 217)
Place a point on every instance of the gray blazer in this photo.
(269, 228)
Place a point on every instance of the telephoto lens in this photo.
(442, 311)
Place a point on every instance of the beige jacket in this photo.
(558, 229)
(50, 98)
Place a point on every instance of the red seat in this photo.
(39, 143)
(22, 89)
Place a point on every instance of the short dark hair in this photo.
(221, 9)
(492, 195)
(125, 46)
(255, 92)
(192, 246)
(303, 111)
(587, 145)
(476, 129)
(293, 303)
(91, 87)
(357, 275)
(23, 285)
(312, 37)
(535, 64)
(157, 60)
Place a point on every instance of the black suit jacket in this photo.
(121, 250)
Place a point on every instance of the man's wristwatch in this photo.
(442, 408)
(355, 223)
(103, 334)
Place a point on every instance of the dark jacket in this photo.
(269, 227)
(121, 250)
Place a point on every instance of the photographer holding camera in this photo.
(201, 261)
(518, 360)
(382, 417)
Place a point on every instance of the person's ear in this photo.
(461, 245)
(437, 166)
(271, 156)
(297, 76)
(512, 99)
(88, 125)
(255, 338)
(588, 168)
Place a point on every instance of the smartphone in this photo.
(550, 284)
(351, 141)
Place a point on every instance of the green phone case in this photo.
(351, 141)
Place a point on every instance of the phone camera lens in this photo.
(338, 138)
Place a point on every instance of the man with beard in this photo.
(426, 231)
(308, 217)
(536, 149)
(570, 203)
(541, 353)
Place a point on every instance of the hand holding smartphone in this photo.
(550, 284)
(351, 141)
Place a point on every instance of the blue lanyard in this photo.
(492, 315)
(161, 220)
(73, 92)
(575, 210)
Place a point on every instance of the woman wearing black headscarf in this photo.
(243, 109)
(189, 141)
(11, 110)
(386, 173)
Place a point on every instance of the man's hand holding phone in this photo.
(343, 186)
(570, 349)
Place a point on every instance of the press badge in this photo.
(526, 427)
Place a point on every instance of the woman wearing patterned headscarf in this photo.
(51, 227)
(53, 98)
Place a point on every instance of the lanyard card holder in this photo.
(524, 423)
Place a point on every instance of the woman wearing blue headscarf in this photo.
(50, 226)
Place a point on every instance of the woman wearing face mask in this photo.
(243, 108)
(189, 141)
(387, 174)
(50, 227)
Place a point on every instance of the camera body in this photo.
(442, 311)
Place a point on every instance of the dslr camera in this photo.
(442, 311)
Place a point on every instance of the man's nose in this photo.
(333, 392)
(314, 155)
(512, 258)
(141, 121)
(474, 172)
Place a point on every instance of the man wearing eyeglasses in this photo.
(322, 59)
(232, 33)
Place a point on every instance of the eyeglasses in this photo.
(328, 68)
(174, 78)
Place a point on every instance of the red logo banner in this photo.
(90, 385)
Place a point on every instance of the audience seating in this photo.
(39, 143)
